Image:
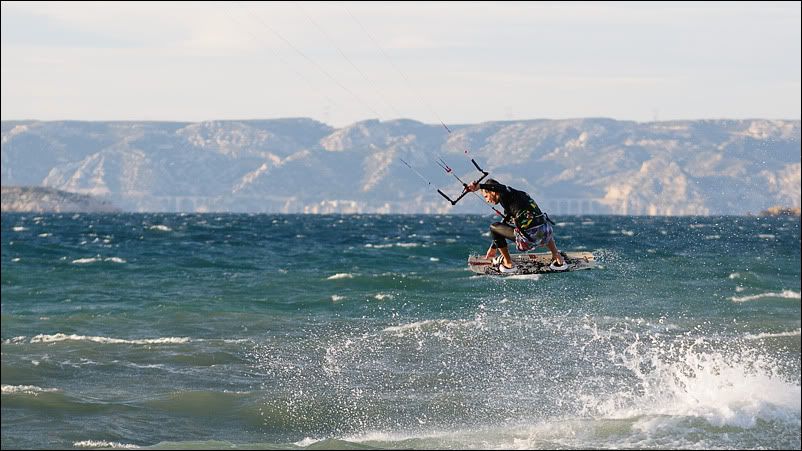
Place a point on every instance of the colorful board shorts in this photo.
(540, 236)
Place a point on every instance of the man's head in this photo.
(492, 197)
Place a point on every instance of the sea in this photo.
(239, 331)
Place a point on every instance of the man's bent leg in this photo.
(502, 232)
(507, 259)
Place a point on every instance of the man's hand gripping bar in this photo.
(465, 185)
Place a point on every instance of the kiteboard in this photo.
(531, 263)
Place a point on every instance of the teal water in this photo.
(357, 331)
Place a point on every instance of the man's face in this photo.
(491, 196)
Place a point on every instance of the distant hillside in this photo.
(41, 200)
(585, 166)
(780, 211)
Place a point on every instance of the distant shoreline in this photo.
(781, 211)
(36, 199)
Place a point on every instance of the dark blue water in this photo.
(210, 331)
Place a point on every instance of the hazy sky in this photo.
(456, 62)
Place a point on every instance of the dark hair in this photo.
(492, 182)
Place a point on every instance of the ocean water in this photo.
(163, 331)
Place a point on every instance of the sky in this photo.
(451, 62)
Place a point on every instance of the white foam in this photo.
(415, 325)
(763, 335)
(383, 296)
(19, 229)
(722, 388)
(341, 275)
(786, 294)
(570, 434)
(26, 389)
(85, 261)
(712, 237)
(434, 259)
(432, 323)
(337, 298)
(307, 441)
(160, 228)
(523, 277)
(43, 338)
(385, 246)
(103, 444)
(235, 340)
(765, 236)
(146, 366)
(107, 340)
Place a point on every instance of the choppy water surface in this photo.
(253, 331)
